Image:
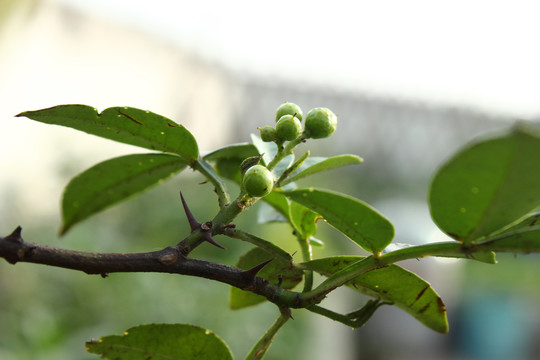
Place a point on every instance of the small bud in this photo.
(268, 134)
(320, 123)
(288, 128)
(289, 108)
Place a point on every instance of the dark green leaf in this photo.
(525, 240)
(354, 218)
(235, 151)
(394, 284)
(161, 342)
(123, 124)
(315, 165)
(112, 181)
(488, 185)
(290, 277)
(229, 158)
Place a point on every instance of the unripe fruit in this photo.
(268, 134)
(288, 128)
(258, 181)
(320, 123)
(289, 109)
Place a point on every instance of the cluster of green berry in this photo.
(320, 123)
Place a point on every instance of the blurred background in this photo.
(411, 83)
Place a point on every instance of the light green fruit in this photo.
(289, 109)
(320, 123)
(268, 133)
(288, 128)
(258, 181)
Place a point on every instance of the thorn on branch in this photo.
(251, 273)
(15, 236)
(287, 312)
(205, 228)
(208, 238)
(193, 223)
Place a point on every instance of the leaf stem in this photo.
(442, 249)
(283, 152)
(261, 347)
(272, 249)
(221, 189)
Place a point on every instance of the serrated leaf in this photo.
(392, 283)
(354, 218)
(112, 181)
(162, 341)
(290, 277)
(123, 124)
(315, 165)
(488, 185)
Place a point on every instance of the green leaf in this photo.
(394, 284)
(234, 151)
(315, 165)
(229, 158)
(112, 181)
(162, 341)
(123, 124)
(303, 220)
(279, 202)
(290, 277)
(488, 185)
(356, 219)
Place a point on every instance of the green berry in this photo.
(268, 133)
(320, 123)
(289, 109)
(288, 128)
(258, 181)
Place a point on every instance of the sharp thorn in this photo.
(193, 223)
(287, 312)
(15, 236)
(208, 238)
(251, 273)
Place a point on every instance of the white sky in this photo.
(482, 54)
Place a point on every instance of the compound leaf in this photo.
(162, 342)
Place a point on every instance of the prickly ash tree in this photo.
(484, 198)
